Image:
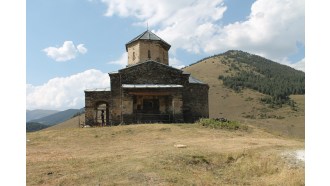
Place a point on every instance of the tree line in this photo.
(268, 77)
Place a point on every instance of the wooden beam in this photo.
(150, 93)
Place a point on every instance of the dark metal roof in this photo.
(151, 86)
(148, 35)
(98, 89)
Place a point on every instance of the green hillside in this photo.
(33, 126)
(246, 87)
(263, 75)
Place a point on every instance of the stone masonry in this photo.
(148, 89)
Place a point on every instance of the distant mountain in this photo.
(58, 117)
(38, 113)
(33, 126)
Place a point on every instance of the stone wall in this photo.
(116, 97)
(196, 104)
(92, 100)
(190, 102)
(153, 73)
(138, 52)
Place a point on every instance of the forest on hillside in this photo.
(268, 77)
(34, 126)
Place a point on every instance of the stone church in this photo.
(148, 89)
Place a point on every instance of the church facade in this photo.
(148, 90)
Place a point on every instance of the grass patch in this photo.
(241, 168)
(216, 124)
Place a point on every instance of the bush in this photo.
(219, 124)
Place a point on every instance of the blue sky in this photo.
(72, 45)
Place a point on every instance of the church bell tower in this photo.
(147, 46)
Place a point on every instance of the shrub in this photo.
(218, 124)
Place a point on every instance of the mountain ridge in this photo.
(38, 113)
(58, 117)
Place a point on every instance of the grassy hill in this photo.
(74, 122)
(148, 155)
(245, 105)
(58, 117)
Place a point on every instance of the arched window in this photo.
(149, 54)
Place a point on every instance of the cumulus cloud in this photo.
(122, 61)
(300, 65)
(272, 30)
(66, 52)
(65, 92)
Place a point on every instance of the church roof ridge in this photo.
(148, 35)
(167, 66)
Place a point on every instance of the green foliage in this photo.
(34, 126)
(215, 124)
(268, 77)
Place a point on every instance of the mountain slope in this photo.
(38, 113)
(245, 105)
(58, 117)
(74, 122)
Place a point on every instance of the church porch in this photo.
(152, 103)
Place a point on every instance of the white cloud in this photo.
(174, 62)
(66, 52)
(300, 65)
(81, 49)
(272, 30)
(65, 92)
(122, 61)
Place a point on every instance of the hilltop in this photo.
(230, 98)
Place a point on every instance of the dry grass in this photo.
(69, 124)
(146, 155)
(237, 106)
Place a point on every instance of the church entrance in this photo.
(101, 114)
(151, 106)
